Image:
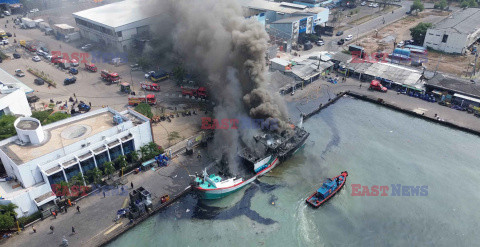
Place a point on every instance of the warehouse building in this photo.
(115, 25)
(285, 20)
(456, 33)
(41, 156)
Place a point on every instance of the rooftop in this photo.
(464, 21)
(451, 83)
(117, 14)
(60, 136)
(395, 73)
(282, 7)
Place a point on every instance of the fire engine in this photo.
(91, 67)
(200, 92)
(110, 76)
(149, 99)
(150, 86)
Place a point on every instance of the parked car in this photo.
(5, 42)
(87, 47)
(19, 73)
(39, 81)
(363, 3)
(370, 5)
(44, 49)
(349, 37)
(69, 81)
(16, 55)
(307, 46)
(32, 98)
(36, 59)
(41, 53)
(73, 71)
(9, 34)
(375, 5)
(400, 44)
(339, 33)
(135, 67)
(320, 43)
(341, 42)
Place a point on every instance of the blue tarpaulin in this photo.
(10, 1)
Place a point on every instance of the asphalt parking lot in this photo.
(89, 86)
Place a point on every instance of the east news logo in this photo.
(397, 190)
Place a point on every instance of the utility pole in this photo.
(475, 64)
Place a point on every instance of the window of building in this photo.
(87, 165)
(72, 171)
(119, 34)
(143, 29)
(56, 178)
(101, 159)
(444, 39)
(115, 152)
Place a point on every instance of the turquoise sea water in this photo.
(376, 146)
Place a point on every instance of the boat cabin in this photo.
(327, 189)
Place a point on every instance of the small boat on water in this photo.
(328, 190)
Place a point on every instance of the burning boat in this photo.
(270, 149)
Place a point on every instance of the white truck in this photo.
(28, 23)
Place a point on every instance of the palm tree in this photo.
(96, 175)
(134, 156)
(109, 168)
(153, 148)
(144, 152)
(78, 180)
(121, 161)
(9, 209)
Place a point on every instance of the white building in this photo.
(115, 25)
(9, 83)
(285, 20)
(39, 157)
(456, 33)
(15, 103)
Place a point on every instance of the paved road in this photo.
(97, 213)
(371, 25)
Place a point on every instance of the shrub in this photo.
(29, 219)
(144, 109)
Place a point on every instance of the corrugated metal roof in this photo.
(277, 7)
(464, 21)
(118, 14)
(455, 84)
(289, 20)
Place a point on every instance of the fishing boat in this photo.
(328, 190)
(214, 186)
(264, 154)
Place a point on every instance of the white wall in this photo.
(15, 103)
(456, 43)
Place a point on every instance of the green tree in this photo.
(418, 32)
(64, 188)
(42, 115)
(57, 116)
(6, 127)
(78, 180)
(9, 209)
(144, 152)
(134, 156)
(442, 4)
(464, 4)
(172, 136)
(472, 4)
(144, 109)
(121, 161)
(96, 175)
(153, 149)
(417, 6)
(6, 221)
(109, 168)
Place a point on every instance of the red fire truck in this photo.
(149, 99)
(200, 92)
(110, 77)
(149, 86)
(91, 67)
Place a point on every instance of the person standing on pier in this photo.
(73, 230)
(131, 184)
(78, 208)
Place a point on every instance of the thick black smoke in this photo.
(212, 38)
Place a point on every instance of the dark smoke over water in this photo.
(213, 39)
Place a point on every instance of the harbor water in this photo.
(376, 146)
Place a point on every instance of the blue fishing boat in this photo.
(328, 190)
